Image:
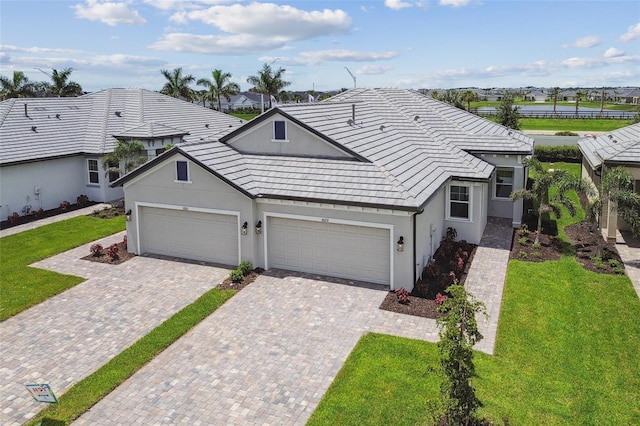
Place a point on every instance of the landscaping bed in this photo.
(42, 214)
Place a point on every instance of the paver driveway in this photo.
(69, 336)
(266, 356)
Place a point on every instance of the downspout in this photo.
(415, 248)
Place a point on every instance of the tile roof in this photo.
(619, 146)
(33, 129)
(408, 146)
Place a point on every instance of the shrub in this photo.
(236, 275)
(614, 263)
(64, 206)
(440, 298)
(430, 271)
(38, 213)
(523, 240)
(536, 245)
(112, 251)
(451, 234)
(524, 230)
(96, 249)
(522, 254)
(245, 267)
(13, 218)
(402, 295)
(566, 133)
(82, 200)
(565, 153)
(598, 263)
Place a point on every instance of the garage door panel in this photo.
(187, 234)
(341, 250)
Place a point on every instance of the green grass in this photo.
(21, 286)
(86, 393)
(572, 124)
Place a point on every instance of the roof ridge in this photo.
(12, 102)
(105, 121)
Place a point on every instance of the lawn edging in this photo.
(90, 390)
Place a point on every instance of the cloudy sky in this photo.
(321, 44)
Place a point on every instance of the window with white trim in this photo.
(279, 130)
(182, 171)
(504, 183)
(459, 202)
(94, 171)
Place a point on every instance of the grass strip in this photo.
(22, 286)
(89, 391)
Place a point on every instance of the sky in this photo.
(327, 45)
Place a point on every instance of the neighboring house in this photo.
(628, 96)
(245, 101)
(51, 149)
(536, 95)
(361, 186)
(601, 153)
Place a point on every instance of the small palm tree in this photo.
(268, 82)
(469, 96)
(579, 96)
(544, 180)
(126, 156)
(18, 86)
(554, 96)
(177, 84)
(220, 86)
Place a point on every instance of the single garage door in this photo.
(347, 251)
(189, 234)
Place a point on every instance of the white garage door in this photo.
(189, 234)
(339, 250)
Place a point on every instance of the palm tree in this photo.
(60, 85)
(554, 95)
(268, 82)
(617, 194)
(579, 96)
(469, 96)
(177, 85)
(17, 87)
(543, 181)
(220, 86)
(125, 157)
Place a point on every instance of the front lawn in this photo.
(21, 286)
(566, 353)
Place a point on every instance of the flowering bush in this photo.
(402, 295)
(440, 298)
(64, 206)
(96, 249)
(112, 251)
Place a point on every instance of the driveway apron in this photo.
(69, 336)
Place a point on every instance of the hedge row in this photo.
(564, 153)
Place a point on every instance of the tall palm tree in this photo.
(17, 86)
(554, 96)
(177, 84)
(60, 86)
(268, 82)
(469, 96)
(543, 181)
(219, 86)
(125, 157)
(579, 96)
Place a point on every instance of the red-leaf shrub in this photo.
(440, 298)
(13, 218)
(402, 295)
(64, 206)
(96, 249)
(112, 251)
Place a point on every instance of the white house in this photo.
(51, 149)
(360, 186)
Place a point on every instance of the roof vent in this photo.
(58, 116)
(416, 118)
(350, 122)
(118, 114)
(610, 136)
(33, 128)
(382, 127)
(353, 112)
(206, 125)
(25, 110)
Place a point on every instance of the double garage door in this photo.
(189, 234)
(342, 250)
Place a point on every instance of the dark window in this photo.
(459, 202)
(279, 131)
(504, 183)
(94, 174)
(114, 173)
(182, 171)
(160, 151)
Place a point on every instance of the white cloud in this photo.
(612, 52)
(397, 4)
(586, 42)
(321, 56)
(38, 50)
(373, 69)
(454, 3)
(110, 13)
(220, 45)
(633, 33)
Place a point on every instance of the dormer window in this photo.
(279, 131)
(182, 172)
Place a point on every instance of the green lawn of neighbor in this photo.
(22, 286)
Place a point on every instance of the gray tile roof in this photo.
(620, 146)
(57, 127)
(408, 146)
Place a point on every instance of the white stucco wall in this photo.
(471, 230)
(504, 207)
(59, 180)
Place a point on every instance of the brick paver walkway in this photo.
(67, 337)
(629, 251)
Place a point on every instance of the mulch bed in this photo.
(418, 306)
(227, 284)
(123, 256)
(585, 238)
(38, 214)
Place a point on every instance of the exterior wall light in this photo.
(259, 227)
(244, 228)
(127, 215)
(400, 246)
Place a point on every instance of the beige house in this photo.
(361, 186)
(601, 153)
